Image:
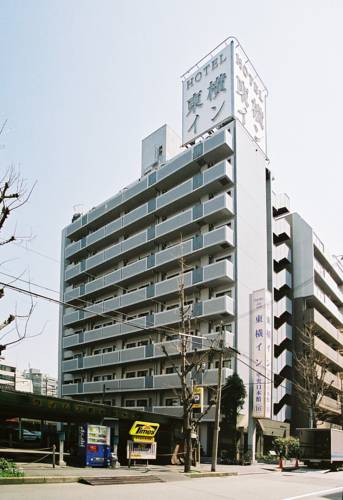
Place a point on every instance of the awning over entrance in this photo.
(26, 405)
(273, 428)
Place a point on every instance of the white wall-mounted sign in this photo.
(249, 98)
(262, 352)
(207, 95)
(222, 87)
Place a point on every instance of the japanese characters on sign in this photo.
(226, 86)
(261, 333)
(207, 95)
(250, 98)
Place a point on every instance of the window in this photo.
(130, 345)
(174, 306)
(107, 377)
(225, 292)
(142, 373)
(97, 326)
(108, 402)
(143, 315)
(142, 402)
(130, 375)
(143, 342)
(226, 328)
(107, 349)
(108, 323)
(228, 257)
(96, 351)
(130, 403)
(172, 402)
(170, 369)
(96, 378)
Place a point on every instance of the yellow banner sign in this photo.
(144, 429)
(198, 398)
(143, 439)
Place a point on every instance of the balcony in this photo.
(331, 379)
(283, 306)
(281, 203)
(285, 414)
(325, 305)
(327, 283)
(185, 193)
(323, 255)
(142, 353)
(177, 411)
(285, 332)
(198, 245)
(331, 405)
(219, 306)
(282, 279)
(281, 230)
(184, 221)
(152, 382)
(282, 253)
(214, 149)
(284, 389)
(329, 353)
(212, 274)
(327, 330)
(285, 359)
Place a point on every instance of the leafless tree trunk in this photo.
(311, 381)
(191, 364)
(13, 195)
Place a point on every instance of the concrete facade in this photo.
(121, 268)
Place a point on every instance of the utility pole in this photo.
(218, 403)
(187, 428)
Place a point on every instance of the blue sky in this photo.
(84, 81)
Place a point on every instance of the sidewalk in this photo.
(44, 473)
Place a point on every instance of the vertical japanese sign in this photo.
(250, 98)
(224, 86)
(261, 341)
(207, 95)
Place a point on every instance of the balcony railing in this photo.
(217, 272)
(327, 329)
(151, 382)
(142, 353)
(222, 236)
(327, 351)
(209, 210)
(187, 191)
(328, 281)
(208, 308)
(214, 148)
(324, 302)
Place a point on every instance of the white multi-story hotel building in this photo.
(210, 202)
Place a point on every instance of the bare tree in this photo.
(312, 381)
(192, 363)
(13, 195)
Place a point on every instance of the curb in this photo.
(39, 480)
(195, 475)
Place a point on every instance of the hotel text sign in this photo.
(224, 87)
(261, 341)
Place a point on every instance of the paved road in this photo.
(269, 486)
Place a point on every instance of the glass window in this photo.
(130, 403)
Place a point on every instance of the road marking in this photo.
(315, 493)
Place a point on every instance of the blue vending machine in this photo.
(94, 443)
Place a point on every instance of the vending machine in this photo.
(94, 445)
